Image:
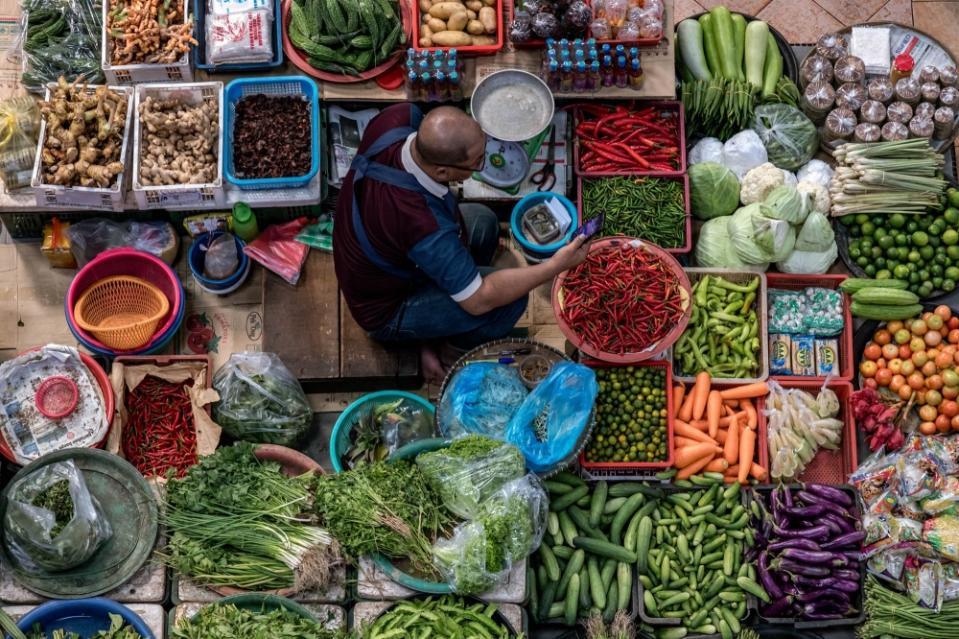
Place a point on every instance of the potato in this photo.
(489, 3)
(457, 21)
(426, 31)
(425, 6)
(474, 27)
(444, 10)
(451, 39)
(471, 14)
(488, 17)
(425, 42)
(474, 5)
(482, 40)
(436, 24)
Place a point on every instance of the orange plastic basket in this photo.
(121, 311)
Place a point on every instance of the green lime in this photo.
(875, 251)
(865, 244)
(912, 226)
(936, 269)
(926, 252)
(901, 271)
(920, 238)
(952, 252)
(863, 261)
(936, 282)
(902, 239)
(952, 195)
(951, 215)
(924, 291)
(854, 253)
(950, 237)
(886, 241)
(892, 253)
(869, 269)
(914, 256)
(903, 252)
(861, 219)
(868, 229)
(935, 241)
(924, 274)
(948, 284)
(884, 274)
(897, 220)
(914, 277)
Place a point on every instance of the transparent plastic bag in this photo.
(392, 424)
(548, 427)
(508, 527)
(789, 136)
(261, 401)
(59, 38)
(481, 399)
(470, 470)
(19, 126)
(52, 521)
(89, 238)
(276, 248)
(221, 259)
(239, 37)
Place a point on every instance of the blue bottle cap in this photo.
(591, 42)
(634, 51)
(567, 66)
(553, 65)
(621, 62)
(454, 77)
(594, 66)
(581, 67)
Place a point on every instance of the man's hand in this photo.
(573, 254)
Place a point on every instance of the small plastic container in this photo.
(178, 71)
(197, 257)
(86, 617)
(532, 251)
(56, 397)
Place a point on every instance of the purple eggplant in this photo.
(767, 579)
(830, 492)
(849, 539)
(826, 609)
(805, 544)
(830, 594)
(816, 532)
(830, 522)
(844, 525)
(805, 512)
(813, 557)
(828, 583)
(816, 500)
(799, 569)
(851, 555)
(788, 497)
(781, 607)
(846, 574)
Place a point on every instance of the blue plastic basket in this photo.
(199, 51)
(85, 617)
(280, 85)
(541, 251)
(197, 258)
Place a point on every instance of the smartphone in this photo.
(593, 226)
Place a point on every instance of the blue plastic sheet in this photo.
(548, 426)
(480, 400)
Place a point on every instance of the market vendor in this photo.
(412, 263)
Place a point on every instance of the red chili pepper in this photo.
(159, 434)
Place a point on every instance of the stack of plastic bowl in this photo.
(127, 261)
(197, 259)
(533, 252)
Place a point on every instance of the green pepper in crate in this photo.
(631, 416)
(652, 209)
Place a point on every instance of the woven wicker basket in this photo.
(121, 311)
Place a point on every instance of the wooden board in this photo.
(362, 357)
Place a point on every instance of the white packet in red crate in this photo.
(239, 37)
(224, 7)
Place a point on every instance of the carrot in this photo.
(757, 471)
(700, 394)
(714, 408)
(686, 409)
(729, 480)
(722, 435)
(726, 410)
(679, 393)
(747, 445)
(746, 391)
(695, 467)
(752, 418)
(682, 429)
(685, 441)
(725, 421)
(699, 425)
(731, 447)
(732, 471)
(718, 465)
(687, 455)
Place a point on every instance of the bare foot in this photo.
(433, 370)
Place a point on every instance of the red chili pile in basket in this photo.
(160, 433)
(621, 139)
(622, 299)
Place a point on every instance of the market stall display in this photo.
(60, 39)
(93, 618)
(424, 615)
(654, 209)
(621, 141)
(255, 614)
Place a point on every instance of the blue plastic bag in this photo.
(548, 427)
(480, 400)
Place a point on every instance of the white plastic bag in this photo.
(706, 150)
(245, 37)
(816, 172)
(742, 152)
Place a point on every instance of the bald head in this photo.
(447, 136)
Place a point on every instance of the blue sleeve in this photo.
(442, 256)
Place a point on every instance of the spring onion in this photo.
(891, 613)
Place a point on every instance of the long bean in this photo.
(651, 209)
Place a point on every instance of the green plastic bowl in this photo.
(340, 438)
(410, 451)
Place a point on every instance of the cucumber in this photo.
(622, 516)
(676, 632)
(549, 561)
(879, 295)
(612, 505)
(624, 582)
(596, 588)
(572, 600)
(604, 549)
(556, 488)
(852, 284)
(597, 503)
(584, 597)
(572, 568)
(565, 501)
(533, 592)
(568, 528)
(884, 311)
(610, 610)
(569, 479)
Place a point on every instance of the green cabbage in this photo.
(714, 248)
(714, 190)
(816, 234)
(789, 136)
(756, 237)
(788, 204)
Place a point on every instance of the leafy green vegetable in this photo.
(382, 427)
(789, 136)
(757, 237)
(714, 249)
(446, 616)
(816, 234)
(713, 189)
(786, 203)
(383, 507)
(226, 621)
(56, 498)
(118, 630)
(470, 470)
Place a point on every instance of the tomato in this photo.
(894, 326)
(895, 365)
(917, 344)
(868, 369)
(933, 397)
(881, 362)
(907, 368)
(943, 360)
(883, 376)
(943, 311)
(918, 327)
(896, 383)
(904, 393)
(943, 424)
(950, 392)
(872, 352)
(953, 336)
(902, 336)
(934, 382)
(890, 351)
(927, 428)
(950, 377)
(935, 323)
(882, 337)
(949, 408)
(953, 323)
(919, 358)
(920, 397)
(932, 353)
(925, 316)
(915, 381)
(870, 382)
(929, 369)
(933, 338)
(955, 422)
(905, 352)
(927, 413)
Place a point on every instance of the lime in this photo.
(868, 229)
(951, 215)
(862, 218)
(880, 262)
(952, 252)
(927, 252)
(884, 274)
(948, 284)
(950, 237)
(901, 271)
(869, 269)
(875, 251)
(911, 226)
(903, 252)
(897, 220)
(937, 282)
(924, 291)
(919, 238)
(936, 269)
(902, 239)
(892, 253)
(953, 196)
(914, 256)
(887, 241)
(913, 277)
(951, 273)
(865, 244)
(863, 261)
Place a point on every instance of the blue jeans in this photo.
(430, 313)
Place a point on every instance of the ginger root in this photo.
(179, 142)
(148, 31)
(84, 135)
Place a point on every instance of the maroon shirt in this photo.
(402, 229)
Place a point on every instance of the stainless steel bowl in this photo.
(512, 105)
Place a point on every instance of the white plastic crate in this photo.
(179, 71)
(180, 195)
(101, 199)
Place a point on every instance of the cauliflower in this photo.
(758, 182)
(789, 179)
(818, 194)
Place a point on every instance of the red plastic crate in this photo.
(831, 466)
(486, 49)
(664, 105)
(638, 466)
(680, 250)
(641, 42)
(847, 364)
